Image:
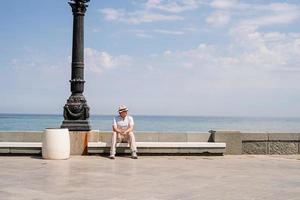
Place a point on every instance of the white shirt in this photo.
(123, 123)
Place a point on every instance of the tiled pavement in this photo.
(151, 177)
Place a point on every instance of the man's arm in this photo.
(116, 129)
(130, 126)
(129, 129)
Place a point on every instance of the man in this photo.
(123, 131)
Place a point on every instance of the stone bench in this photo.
(20, 144)
(20, 147)
(162, 147)
(143, 147)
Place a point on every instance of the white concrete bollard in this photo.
(56, 144)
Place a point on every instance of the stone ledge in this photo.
(255, 137)
(143, 147)
(284, 136)
(105, 136)
(174, 137)
(21, 136)
(155, 136)
(164, 144)
(139, 144)
(162, 147)
(233, 140)
(162, 151)
(20, 144)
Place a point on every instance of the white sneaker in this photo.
(133, 155)
(112, 156)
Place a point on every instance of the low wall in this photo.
(105, 136)
(151, 136)
(236, 142)
(271, 143)
(100, 136)
(258, 143)
(21, 136)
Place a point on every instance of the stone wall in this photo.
(21, 136)
(271, 143)
(236, 141)
(258, 143)
(151, 136)
(233, 140)
(98, 136)
(105, 136)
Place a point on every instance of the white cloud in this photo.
(152, 11)
(98, 61)
(35, 59)
(251, 78)
(275, 14)
(172, 6)
(168, 32)
(218, 18)
(96, 30)
(141, 17)
(112, 14)
(266, 50)
(252, 15)
(263, 52)
(224, 4)
(250, 50)
(137, 17)
(155, 32)
(141, 33)
(167, 53)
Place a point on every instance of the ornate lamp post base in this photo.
(76, 125)
(76, 114)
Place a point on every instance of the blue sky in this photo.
(159, 57)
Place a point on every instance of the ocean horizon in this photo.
(38, 122)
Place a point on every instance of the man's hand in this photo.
(128, 130)
(119, 131)
(124, 132)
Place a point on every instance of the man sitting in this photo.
(123, 132)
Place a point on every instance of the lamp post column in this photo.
(76, 110)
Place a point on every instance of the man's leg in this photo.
(113, 144)
(132, 144)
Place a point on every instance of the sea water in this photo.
(38, 122)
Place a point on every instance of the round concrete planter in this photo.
(56, 144)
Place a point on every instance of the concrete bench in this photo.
(20, 147)
(20, 144)
(162, 147)
(143, 147)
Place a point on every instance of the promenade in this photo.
(229, 177)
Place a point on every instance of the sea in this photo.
(38, 122)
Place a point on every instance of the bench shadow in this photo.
(39, 157)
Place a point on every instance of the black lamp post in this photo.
(76, 110)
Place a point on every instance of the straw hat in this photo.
(122, 108)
